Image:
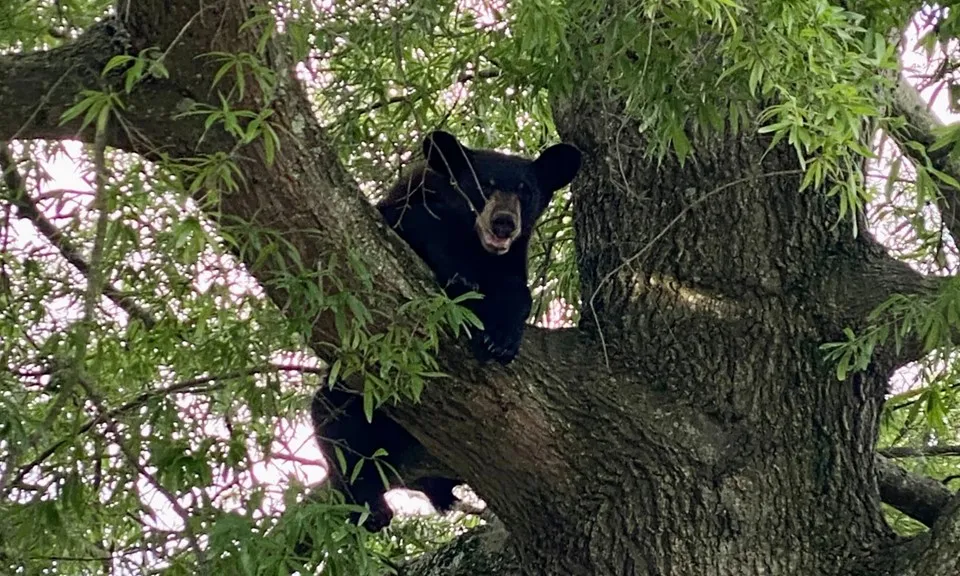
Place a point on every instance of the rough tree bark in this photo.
(689, 427)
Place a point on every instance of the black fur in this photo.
(435, 208)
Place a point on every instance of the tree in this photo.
(716, 409)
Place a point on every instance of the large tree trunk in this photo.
(750, 456)
(689, 427)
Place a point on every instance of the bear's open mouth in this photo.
(491, 243)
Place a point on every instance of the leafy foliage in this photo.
(144, 450)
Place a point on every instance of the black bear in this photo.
(469, 214)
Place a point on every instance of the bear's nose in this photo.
(502, 225)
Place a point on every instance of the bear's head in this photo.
(506, 193)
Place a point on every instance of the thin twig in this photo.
(134, 460)
(550, 244)
(193, 385)
(410, 98)
(182, 32)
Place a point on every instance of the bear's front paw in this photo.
(487, 347)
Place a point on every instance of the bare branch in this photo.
(919, 497)
(906, 452)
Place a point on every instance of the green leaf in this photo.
(368, 402)
(383, 477)
(116, 62)
(133, 75)
(356, 470)
(681, 143)
(335, 372)
(893, 176)
(80, 107)
(945, 178)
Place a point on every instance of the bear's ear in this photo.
(444, 154)
(557, 166)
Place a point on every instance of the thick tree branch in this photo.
(480, 552)
(919, 497)
(875, 277)
(36, 88)
(931, 553)
(920, 127)
(937, 551)
(862, 281)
